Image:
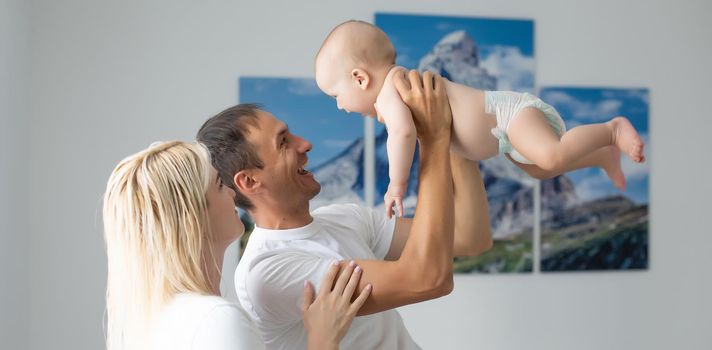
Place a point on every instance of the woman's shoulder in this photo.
(198, 302)
(207, 322)
(206, 309)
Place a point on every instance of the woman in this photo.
(168, 221)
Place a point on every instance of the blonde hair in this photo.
(155, 227)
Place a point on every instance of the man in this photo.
(404, 260)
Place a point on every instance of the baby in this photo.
(356, 64)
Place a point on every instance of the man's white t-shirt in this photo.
(201, 322)
(270, 276)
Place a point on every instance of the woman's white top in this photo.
(192, 321)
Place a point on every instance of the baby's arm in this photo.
(400, 145)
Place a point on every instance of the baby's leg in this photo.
(607, 158)
(531, 135)
(627, 139)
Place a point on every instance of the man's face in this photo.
(284, 156)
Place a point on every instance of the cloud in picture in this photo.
(514, 71)
(598, 111)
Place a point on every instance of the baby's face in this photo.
(350, 97)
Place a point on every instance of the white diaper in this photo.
(505, 105)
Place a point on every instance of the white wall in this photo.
(108, 78)
(13, 170)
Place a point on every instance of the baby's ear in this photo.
(361, 78)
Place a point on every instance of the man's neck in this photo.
(282, 219)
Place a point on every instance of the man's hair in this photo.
(225, 137)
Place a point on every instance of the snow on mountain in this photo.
(455, 57)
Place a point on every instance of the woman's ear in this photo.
(246, 183)
(361, 78)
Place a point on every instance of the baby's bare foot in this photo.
(612, 167)
(627, 139)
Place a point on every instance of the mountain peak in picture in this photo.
(455, 57)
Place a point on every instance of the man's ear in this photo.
(246, 183)
(361, 78)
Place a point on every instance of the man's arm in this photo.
(473, 235)
(424, 268)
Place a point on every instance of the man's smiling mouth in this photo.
(302, 171)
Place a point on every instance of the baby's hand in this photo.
(394, 195)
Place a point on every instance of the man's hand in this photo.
(427, 101)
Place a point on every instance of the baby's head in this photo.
(352, 63)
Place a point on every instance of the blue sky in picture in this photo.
(414, 35)
(308, 112)
(595, 105)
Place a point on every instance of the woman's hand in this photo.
(327, 318)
